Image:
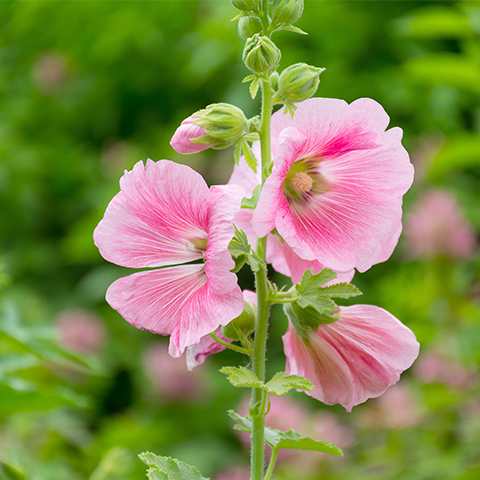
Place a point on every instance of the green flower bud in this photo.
(274, 80)
(298, 82)
(241, 326)
(223, 124)
(246, 5)
(287, 11)
(249, 26)
(261, 55)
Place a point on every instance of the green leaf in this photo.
(171, 468)
(240, 248)
(237, 152)
(252, 202)
(304, 319)
(289, 28)
(254, 87)
(309, 291)
(156, 474)
(340, 290)
(242, 377)
(290, 440)
(249, 155)
(281, 383)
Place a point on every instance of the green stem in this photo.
(263, 308)
(230, 346)
(271, 465)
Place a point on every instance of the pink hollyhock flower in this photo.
(198, 353)
(436, 226)
(356, 358)
(165, 214)
(181, 140)
(81, 331)
(279, 254)
(169, 376)
(335, 193)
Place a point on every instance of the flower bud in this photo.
(246, 5)
(298, 82)
(249, 26)
(185, 133)
(241, 326)
(261, 55)
(218, 126)
(287, 11)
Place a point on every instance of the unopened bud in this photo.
(223, 125)
(246, 5)
(298, 82)
(249, 26)
(261, 55)
(287, 11)
(243, 325)
(274, 81)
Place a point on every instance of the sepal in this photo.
(261, 55)
(240, 248)
(287, 11)
(248, 26)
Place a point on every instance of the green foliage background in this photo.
(87, 89)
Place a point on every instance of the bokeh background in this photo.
(87, 89)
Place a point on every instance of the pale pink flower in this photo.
(198, 353)
(51, 73)
(279, 254)
(81, 331)
(356, 358)
(335, 193)
(181, 140)
(436, 226)
(397, 408)
(435, 368)
(165, 214)
(169, 376)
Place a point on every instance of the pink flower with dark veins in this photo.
(166, 215)
(279, 254)
(353, 359)
(335, 193)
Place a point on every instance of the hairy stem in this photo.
(263, 308)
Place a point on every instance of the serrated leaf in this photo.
(340, 290)
(254, 87)
(252, 202)
(249, 78)
(173, 469)
(240, 248)
(242, 377)
(281, 383)
(156, 474)
(309, 291)
(237, 152)
(290, 440)
(304, 319)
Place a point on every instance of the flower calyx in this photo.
(243, 326)
(224, 125)
(261, 55)
(297, 83)
(248, 26)
(247, 5)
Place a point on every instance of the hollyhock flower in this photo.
(436, 226)
(164, 215)
(181, 140)
(335, 193)
(356, 358)
(81, 331)
(198, 353)
(279, 254)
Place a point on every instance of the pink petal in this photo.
(244, 176)
(225, 204)
(161, 207)
(367, 341)
(174, 301)
(181, 140)
(198, 353)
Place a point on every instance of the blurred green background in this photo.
(87, 89)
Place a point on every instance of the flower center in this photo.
(197, 245)
(301, 182)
